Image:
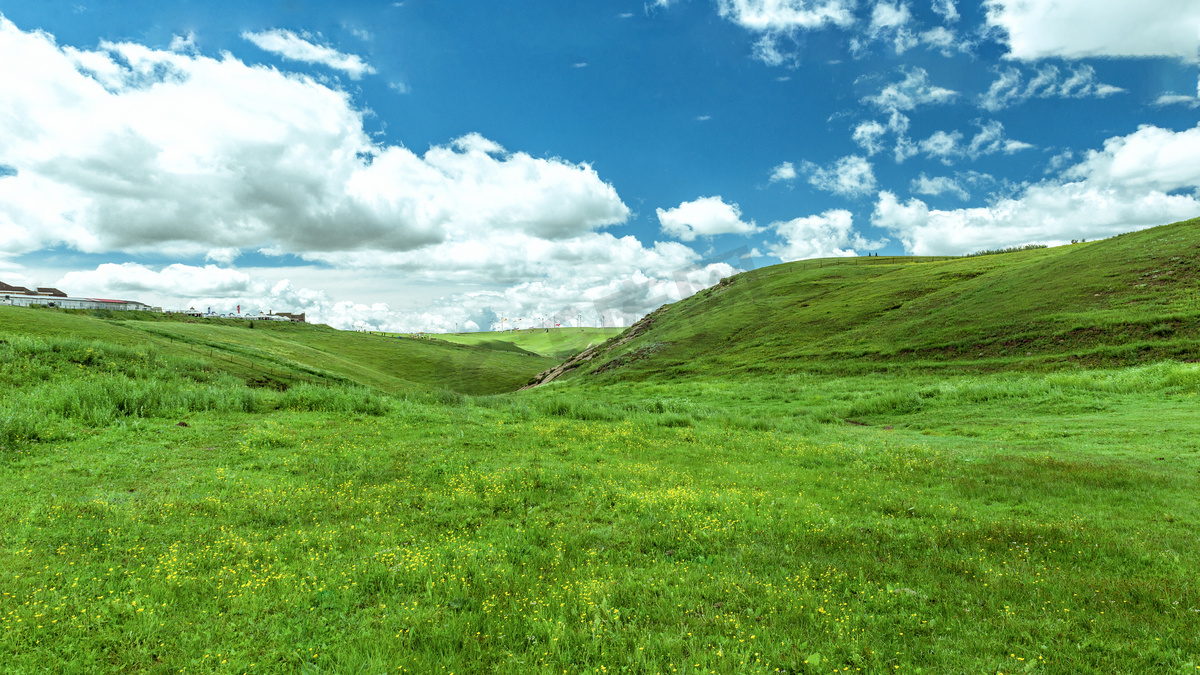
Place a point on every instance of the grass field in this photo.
(279, 354)
(1113, 302)
(556, 343)
(928, 512)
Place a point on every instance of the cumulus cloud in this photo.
(129, 148)
(830, 234)
(1171, 98)
(584, 300)
(183, 43)
(224, 255)
(776, 19)
(1010, 89)
(948, 146)
(942, 145)
(940, 39)
(849, 176)
(704, 217)
(1134, 182)
(1075, 29)
(869, 136)
(938, 185)
(119, 280)
(991, 139)
(781, 16)
(889, 22)
(785, 172)
(291, 46)
(947, 9)
(505, 258)
(1151, 158)
(913, 91)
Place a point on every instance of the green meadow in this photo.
(558, 343)
(978, 465)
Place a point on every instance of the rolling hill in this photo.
(1124, 300)
(556, 343)
(276, 355)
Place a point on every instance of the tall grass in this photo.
(50, 382)
(905, 396)
(315, 398)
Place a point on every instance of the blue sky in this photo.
(432, 165)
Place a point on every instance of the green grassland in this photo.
(556, 343)
(278, 354)
(999, 490)
(1118, 301)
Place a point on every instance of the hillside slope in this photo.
(556, 343)
(280, 354)
(1121, 300)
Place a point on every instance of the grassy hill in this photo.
(278, 354)
(1123, 300)
(557, 343)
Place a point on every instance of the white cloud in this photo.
(890, 22)
(766, 49)
(704, 217)
(785, 172)
(939, 38)
(1057, 162)
(129, 148)
(1133, 183)
(783, 16)
(292, 46)
(938, 185)
(828, 235)
(991, 139)
(913, 91)
(947, 146)
(888, 16)
(128, 279)
(776, 19)
(1171, 98)
(225, 256)
(942, 145)
(869, 136)
(904, 148)
(613, 301)
(1151, 158)
(849, 176)
(1008, 89)
(946, 9)
(497, 257)
(183, 43)
(1075, 29)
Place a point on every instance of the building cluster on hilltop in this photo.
(19, 296)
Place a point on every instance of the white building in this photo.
(73, 303)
